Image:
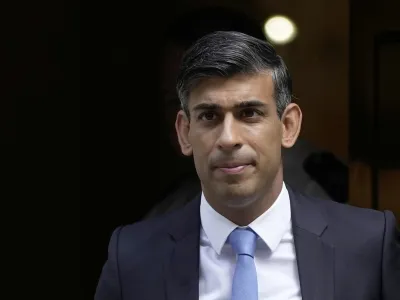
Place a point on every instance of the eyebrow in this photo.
(242, 104)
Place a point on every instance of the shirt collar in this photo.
(270, 226)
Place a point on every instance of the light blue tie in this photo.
(244, 285)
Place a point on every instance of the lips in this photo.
(233, 170)
(232, 167)
(232, 164)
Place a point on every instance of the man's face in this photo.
(234, 135)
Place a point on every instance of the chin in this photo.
(237, 195)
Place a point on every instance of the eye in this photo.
(249, 113)
(207, 116)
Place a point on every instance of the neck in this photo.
(256, 204)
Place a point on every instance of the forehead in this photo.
(228, 91)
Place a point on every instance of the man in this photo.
(178, 180)
(248, 235)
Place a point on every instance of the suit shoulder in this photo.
(146, 228)
(348, 217)
(142, 236)
(351, 209)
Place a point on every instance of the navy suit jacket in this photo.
(343, 253)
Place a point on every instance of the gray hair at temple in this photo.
(228, 53)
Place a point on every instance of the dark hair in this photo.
(227, 53)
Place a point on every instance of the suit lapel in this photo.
(315, 257)
(182, 265)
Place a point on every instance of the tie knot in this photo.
(243, 241)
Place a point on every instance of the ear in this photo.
(182, 126)
(291, 125)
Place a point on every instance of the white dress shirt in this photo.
(275, 256)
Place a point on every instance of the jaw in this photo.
(245, 200)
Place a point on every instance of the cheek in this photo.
(202, 147)
(267, 143)
(200, 160)
(201, 141)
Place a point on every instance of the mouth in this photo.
(233, 168)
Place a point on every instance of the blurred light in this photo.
(280, 29)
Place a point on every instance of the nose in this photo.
(229, 138)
